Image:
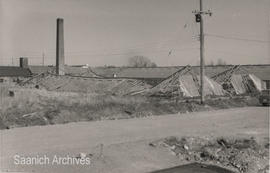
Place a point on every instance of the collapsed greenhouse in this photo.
(237, 81)
(186, 83)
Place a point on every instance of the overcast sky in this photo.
(108, 32)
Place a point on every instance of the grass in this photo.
(40, 107)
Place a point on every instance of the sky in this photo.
(109, 32)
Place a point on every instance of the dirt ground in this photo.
(123, 145)
(238, 154)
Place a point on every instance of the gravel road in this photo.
(132, 135)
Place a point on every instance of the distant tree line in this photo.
(219, 62)
(140, 61)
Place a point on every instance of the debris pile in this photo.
(211, 87)
(88, 72)
(237, 81)
(130, 87)
(67, 83)
(84, 84)
(241, 155)
(185, 83)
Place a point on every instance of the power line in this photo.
(163, 44)
(134, 47)
(112, 54)
(231, 53)
(33, 54)
(237, 38)
(130, 53)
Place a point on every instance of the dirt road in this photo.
(125, 141)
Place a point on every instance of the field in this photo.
(227, 131)
(29, 107)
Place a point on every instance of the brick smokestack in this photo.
(23, 62)
(60, 56)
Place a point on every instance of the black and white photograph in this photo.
(134, 86)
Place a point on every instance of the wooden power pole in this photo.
(199, 19)
(43, 58)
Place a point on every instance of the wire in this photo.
(237, 38)
(184, 49)
(215, 52)
(164, 44)
(48, 58)
(133, 50)
(78, 53)
(228, 52)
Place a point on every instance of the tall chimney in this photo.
(60, 56)
(23, 62)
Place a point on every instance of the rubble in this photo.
(242, 155)
(11, 93)
(185, 83)
(98, 85)
(130, 86)
(237, 81)
(52, 82)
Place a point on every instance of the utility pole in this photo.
(199, 19)
(43, 58)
